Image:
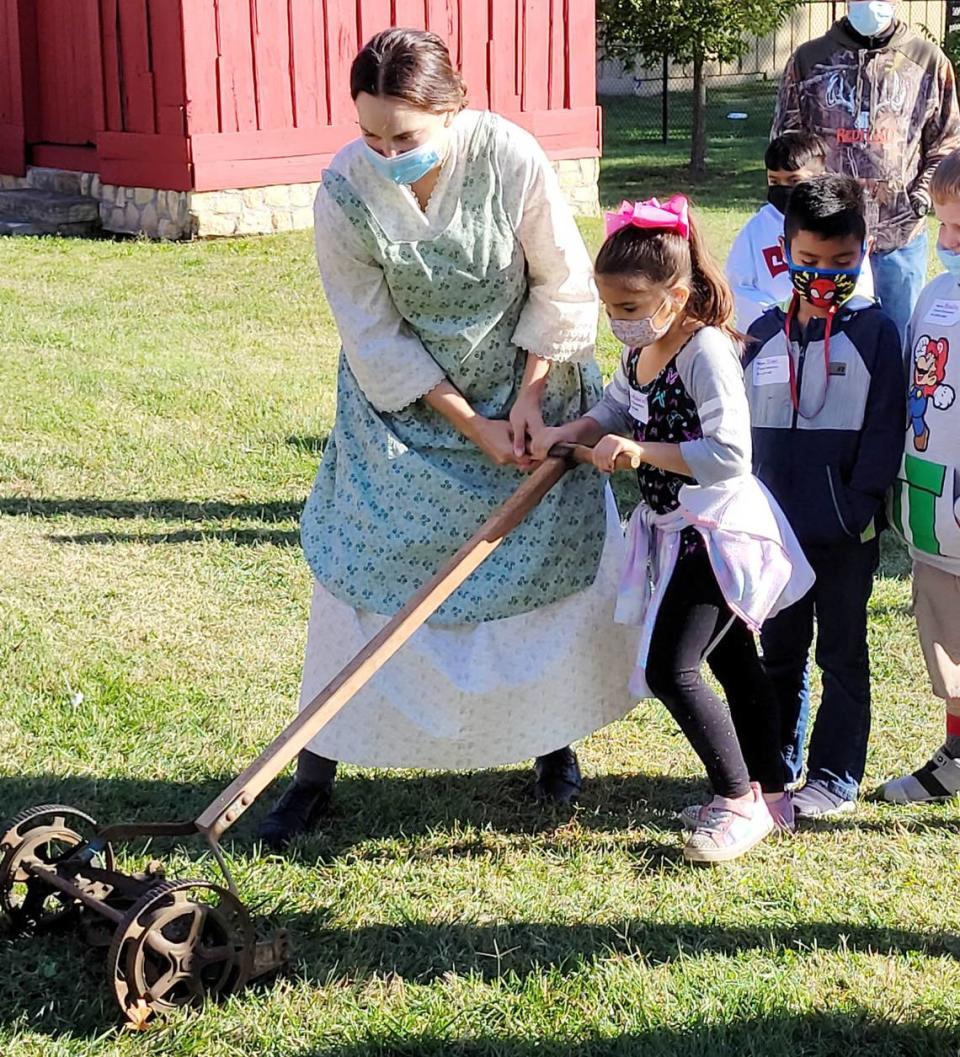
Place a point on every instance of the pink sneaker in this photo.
(727, 829)
(784, 817)
(782, 813)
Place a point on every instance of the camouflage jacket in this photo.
(888, 114)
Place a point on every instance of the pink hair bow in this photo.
(673, 215)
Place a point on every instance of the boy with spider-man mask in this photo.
(825, 385)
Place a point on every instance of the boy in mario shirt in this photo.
(756, 269)
(824, 382)
(925, 501)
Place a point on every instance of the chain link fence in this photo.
(644, 105)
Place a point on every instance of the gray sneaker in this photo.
(815, 800)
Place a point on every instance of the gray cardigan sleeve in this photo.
(613, 411)
(710, 370)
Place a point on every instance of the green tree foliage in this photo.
(691, 32)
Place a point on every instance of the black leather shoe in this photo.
(302, 802)
(558, 777)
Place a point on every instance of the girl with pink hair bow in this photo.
(710, 555)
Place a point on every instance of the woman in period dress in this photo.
(462, 292)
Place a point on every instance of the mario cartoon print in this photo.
(928, 383)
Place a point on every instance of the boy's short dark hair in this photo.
(831, 206)
(795, 150)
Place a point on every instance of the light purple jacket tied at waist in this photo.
(754, 554)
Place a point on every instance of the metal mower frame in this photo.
(178, 943)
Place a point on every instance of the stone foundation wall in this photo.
(254, 211)
(178, 215)
(579, 180)
(144, 211)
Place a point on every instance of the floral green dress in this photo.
(493, 268)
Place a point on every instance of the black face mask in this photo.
(778, 196)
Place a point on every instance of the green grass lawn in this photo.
(634, 154)
(162, 413)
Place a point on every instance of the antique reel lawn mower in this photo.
(175, 943)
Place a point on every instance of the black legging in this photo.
(737, 742)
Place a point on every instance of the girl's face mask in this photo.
(638, 333)
(825, 288)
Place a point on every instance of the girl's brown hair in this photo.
(412, 65)
(664, 258)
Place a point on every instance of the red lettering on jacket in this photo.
(776, 265)
(863, 135)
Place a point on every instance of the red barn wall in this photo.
(211, 94)
(272, 103)
(12, 143)
(145, 141)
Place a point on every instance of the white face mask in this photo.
(638, 333)
(869, 17)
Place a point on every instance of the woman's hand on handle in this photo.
(495, 439)
(526, 421)
(526, 418)
(547, 436)
(609, 448)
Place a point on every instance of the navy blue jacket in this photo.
(829, 461)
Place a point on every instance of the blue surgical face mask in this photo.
(408, 167)
(950, 261)
(869, 17)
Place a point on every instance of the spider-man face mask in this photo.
(824, 287)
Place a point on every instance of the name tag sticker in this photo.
(838, 370)
(771, 370)
(943, 313)
(639, 406)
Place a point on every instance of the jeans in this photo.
(793, 733)
(737, 740)
(838, 600)
(898, 277)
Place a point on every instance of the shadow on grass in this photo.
(151, 509)
(59, 983)
(858, 1032)
(194, 513)
(378, 806)
(240, 537)
(374, 807)
(309, 444)
(429, 951)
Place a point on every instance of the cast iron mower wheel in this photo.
(42, 834)
(181, 944)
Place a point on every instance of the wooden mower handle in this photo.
(582, 454)
(234, 801)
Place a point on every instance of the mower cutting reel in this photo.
(171, 944)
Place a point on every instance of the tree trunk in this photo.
(698, 146)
